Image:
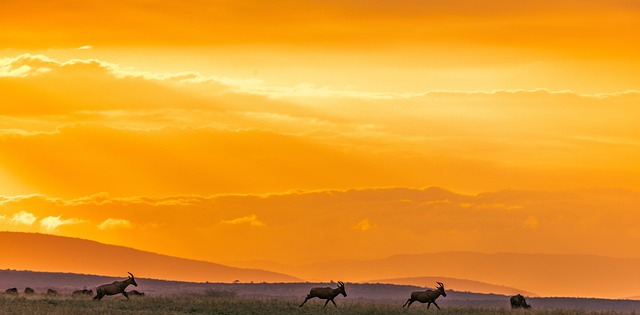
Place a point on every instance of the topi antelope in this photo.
(428, 296)
(518, 301)
(117, 287)
(326, 294)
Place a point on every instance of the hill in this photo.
(542, 274)
(455, 284)
(40, 252)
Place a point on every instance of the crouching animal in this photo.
(518, 301)
(117, 287)
(429, 296)
(326, 294)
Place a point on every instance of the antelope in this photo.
(12, 291)
(518, 301)
(117, 287)
(326, 294)
(429, 296)
(29, 290)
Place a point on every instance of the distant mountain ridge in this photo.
(543, 274)
(504, 273)
(455, 284)
(41, 252)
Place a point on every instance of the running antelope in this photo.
(429, 296)
(117, 287)
(326, 294)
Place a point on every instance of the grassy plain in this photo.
(203, 304)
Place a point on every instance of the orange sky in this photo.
(223, 130)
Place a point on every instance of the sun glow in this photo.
(199, 121)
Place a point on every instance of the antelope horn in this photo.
(131, 275)
(341, 283)
(440, 283)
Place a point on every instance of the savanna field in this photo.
(213, 303)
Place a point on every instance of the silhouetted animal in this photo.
(11, 291)
(117, 287)
(28, 290)
(326, 294)
(518, 301)
(83, 292)
(135, 293)
(52, 292)
(429, 296)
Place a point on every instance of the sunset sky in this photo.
(303, 131)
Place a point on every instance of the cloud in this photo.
(495, 139)
(101, 198)
(487, 222)
(141, 99)
(27, 64)
(83, 90)
(251, 220)
(85, 47)
(51, 223)
(23, 218)
(110, 224)
(364, 225)
(35, 65)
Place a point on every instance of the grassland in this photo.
(203, 304)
